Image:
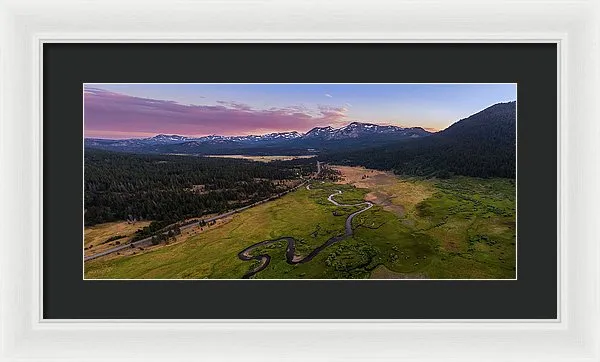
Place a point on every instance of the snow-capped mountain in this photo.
(320, 132)
(358, 129)
(316, 138)
(165, 139)
(257, 138)
(282, 136)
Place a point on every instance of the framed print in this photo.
(221, 180)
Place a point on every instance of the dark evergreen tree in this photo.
(168, 188)
(482, 145)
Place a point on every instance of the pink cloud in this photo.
(115, 115)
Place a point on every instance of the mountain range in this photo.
(317, 139)
(482, 145)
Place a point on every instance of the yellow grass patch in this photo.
(383, 199)
(184, 236)
(95, 235)
(388, 190)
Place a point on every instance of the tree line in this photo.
(169, 188)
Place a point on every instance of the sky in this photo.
(119, 111)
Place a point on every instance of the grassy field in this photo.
(213, 254)
(96, 238)
(474, 221)
(455, 228)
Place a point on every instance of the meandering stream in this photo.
(290, 254)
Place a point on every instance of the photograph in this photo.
(299, 181)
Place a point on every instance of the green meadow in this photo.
(464, 228)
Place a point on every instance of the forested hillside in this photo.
(120, 186)
(482, 145)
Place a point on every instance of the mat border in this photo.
(574, 336)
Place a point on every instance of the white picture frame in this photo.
(25, 25)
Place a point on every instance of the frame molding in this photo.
(27, 24)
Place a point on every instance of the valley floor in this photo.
(458, 228)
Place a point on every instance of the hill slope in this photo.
(482, 145)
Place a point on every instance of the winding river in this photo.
(290, 254)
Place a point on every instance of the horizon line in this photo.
(428, 129)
